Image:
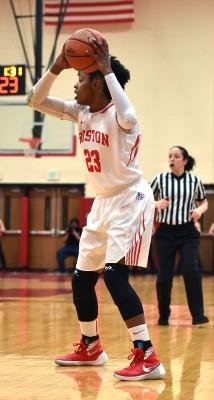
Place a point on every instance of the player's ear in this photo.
(97, 83)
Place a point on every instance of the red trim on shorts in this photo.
(133, 254)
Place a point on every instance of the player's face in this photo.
(83, 89)
(176, 161)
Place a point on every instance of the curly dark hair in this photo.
(121, 72)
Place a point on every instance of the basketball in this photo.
(77, 45)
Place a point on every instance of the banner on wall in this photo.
(86, 12)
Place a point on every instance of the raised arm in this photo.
(126, 115)
(40, 100)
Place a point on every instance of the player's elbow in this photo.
(128, 121)
(29, 99)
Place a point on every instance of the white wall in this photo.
(170, 53)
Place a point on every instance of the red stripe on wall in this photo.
(24, 237)
(86, 13)
(90, 4)
(95, 21)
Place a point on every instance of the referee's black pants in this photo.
(185, 239)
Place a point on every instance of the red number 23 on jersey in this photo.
(92, 159)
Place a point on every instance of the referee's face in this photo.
(176, 161)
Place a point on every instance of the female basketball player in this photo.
(118, 230)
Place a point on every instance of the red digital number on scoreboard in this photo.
(9, 85)
(12, 80)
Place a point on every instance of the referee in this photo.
(180, 201)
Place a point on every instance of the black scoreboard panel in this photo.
(12, 80)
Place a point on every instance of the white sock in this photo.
(139, 332)
(88, 328)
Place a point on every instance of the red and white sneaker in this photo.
(91, 354)
(143, 366)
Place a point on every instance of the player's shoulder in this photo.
(109, 111)
(74, 104)
(71, 110)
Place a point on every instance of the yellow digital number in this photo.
(10, 71)
(20, 72)
(6, 71)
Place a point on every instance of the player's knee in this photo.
(83, 283)
(124, 296)
(116, 279)
(84, 295)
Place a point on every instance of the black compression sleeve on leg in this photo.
(116, 279)
(84, 295)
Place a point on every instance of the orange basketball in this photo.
(75, 50)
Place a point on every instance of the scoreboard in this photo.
(12, 80)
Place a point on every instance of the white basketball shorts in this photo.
(118, 226)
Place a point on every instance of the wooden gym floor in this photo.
(37, 322)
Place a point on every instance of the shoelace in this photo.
(137, 355)
(81, 347)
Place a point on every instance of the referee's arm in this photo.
(162, 203)
(202, 207)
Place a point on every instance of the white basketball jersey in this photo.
(110, 153)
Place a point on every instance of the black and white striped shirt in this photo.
(182, 192)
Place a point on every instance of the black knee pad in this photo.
(84, 295)
(116, 279)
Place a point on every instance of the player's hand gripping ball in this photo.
(76, 47)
